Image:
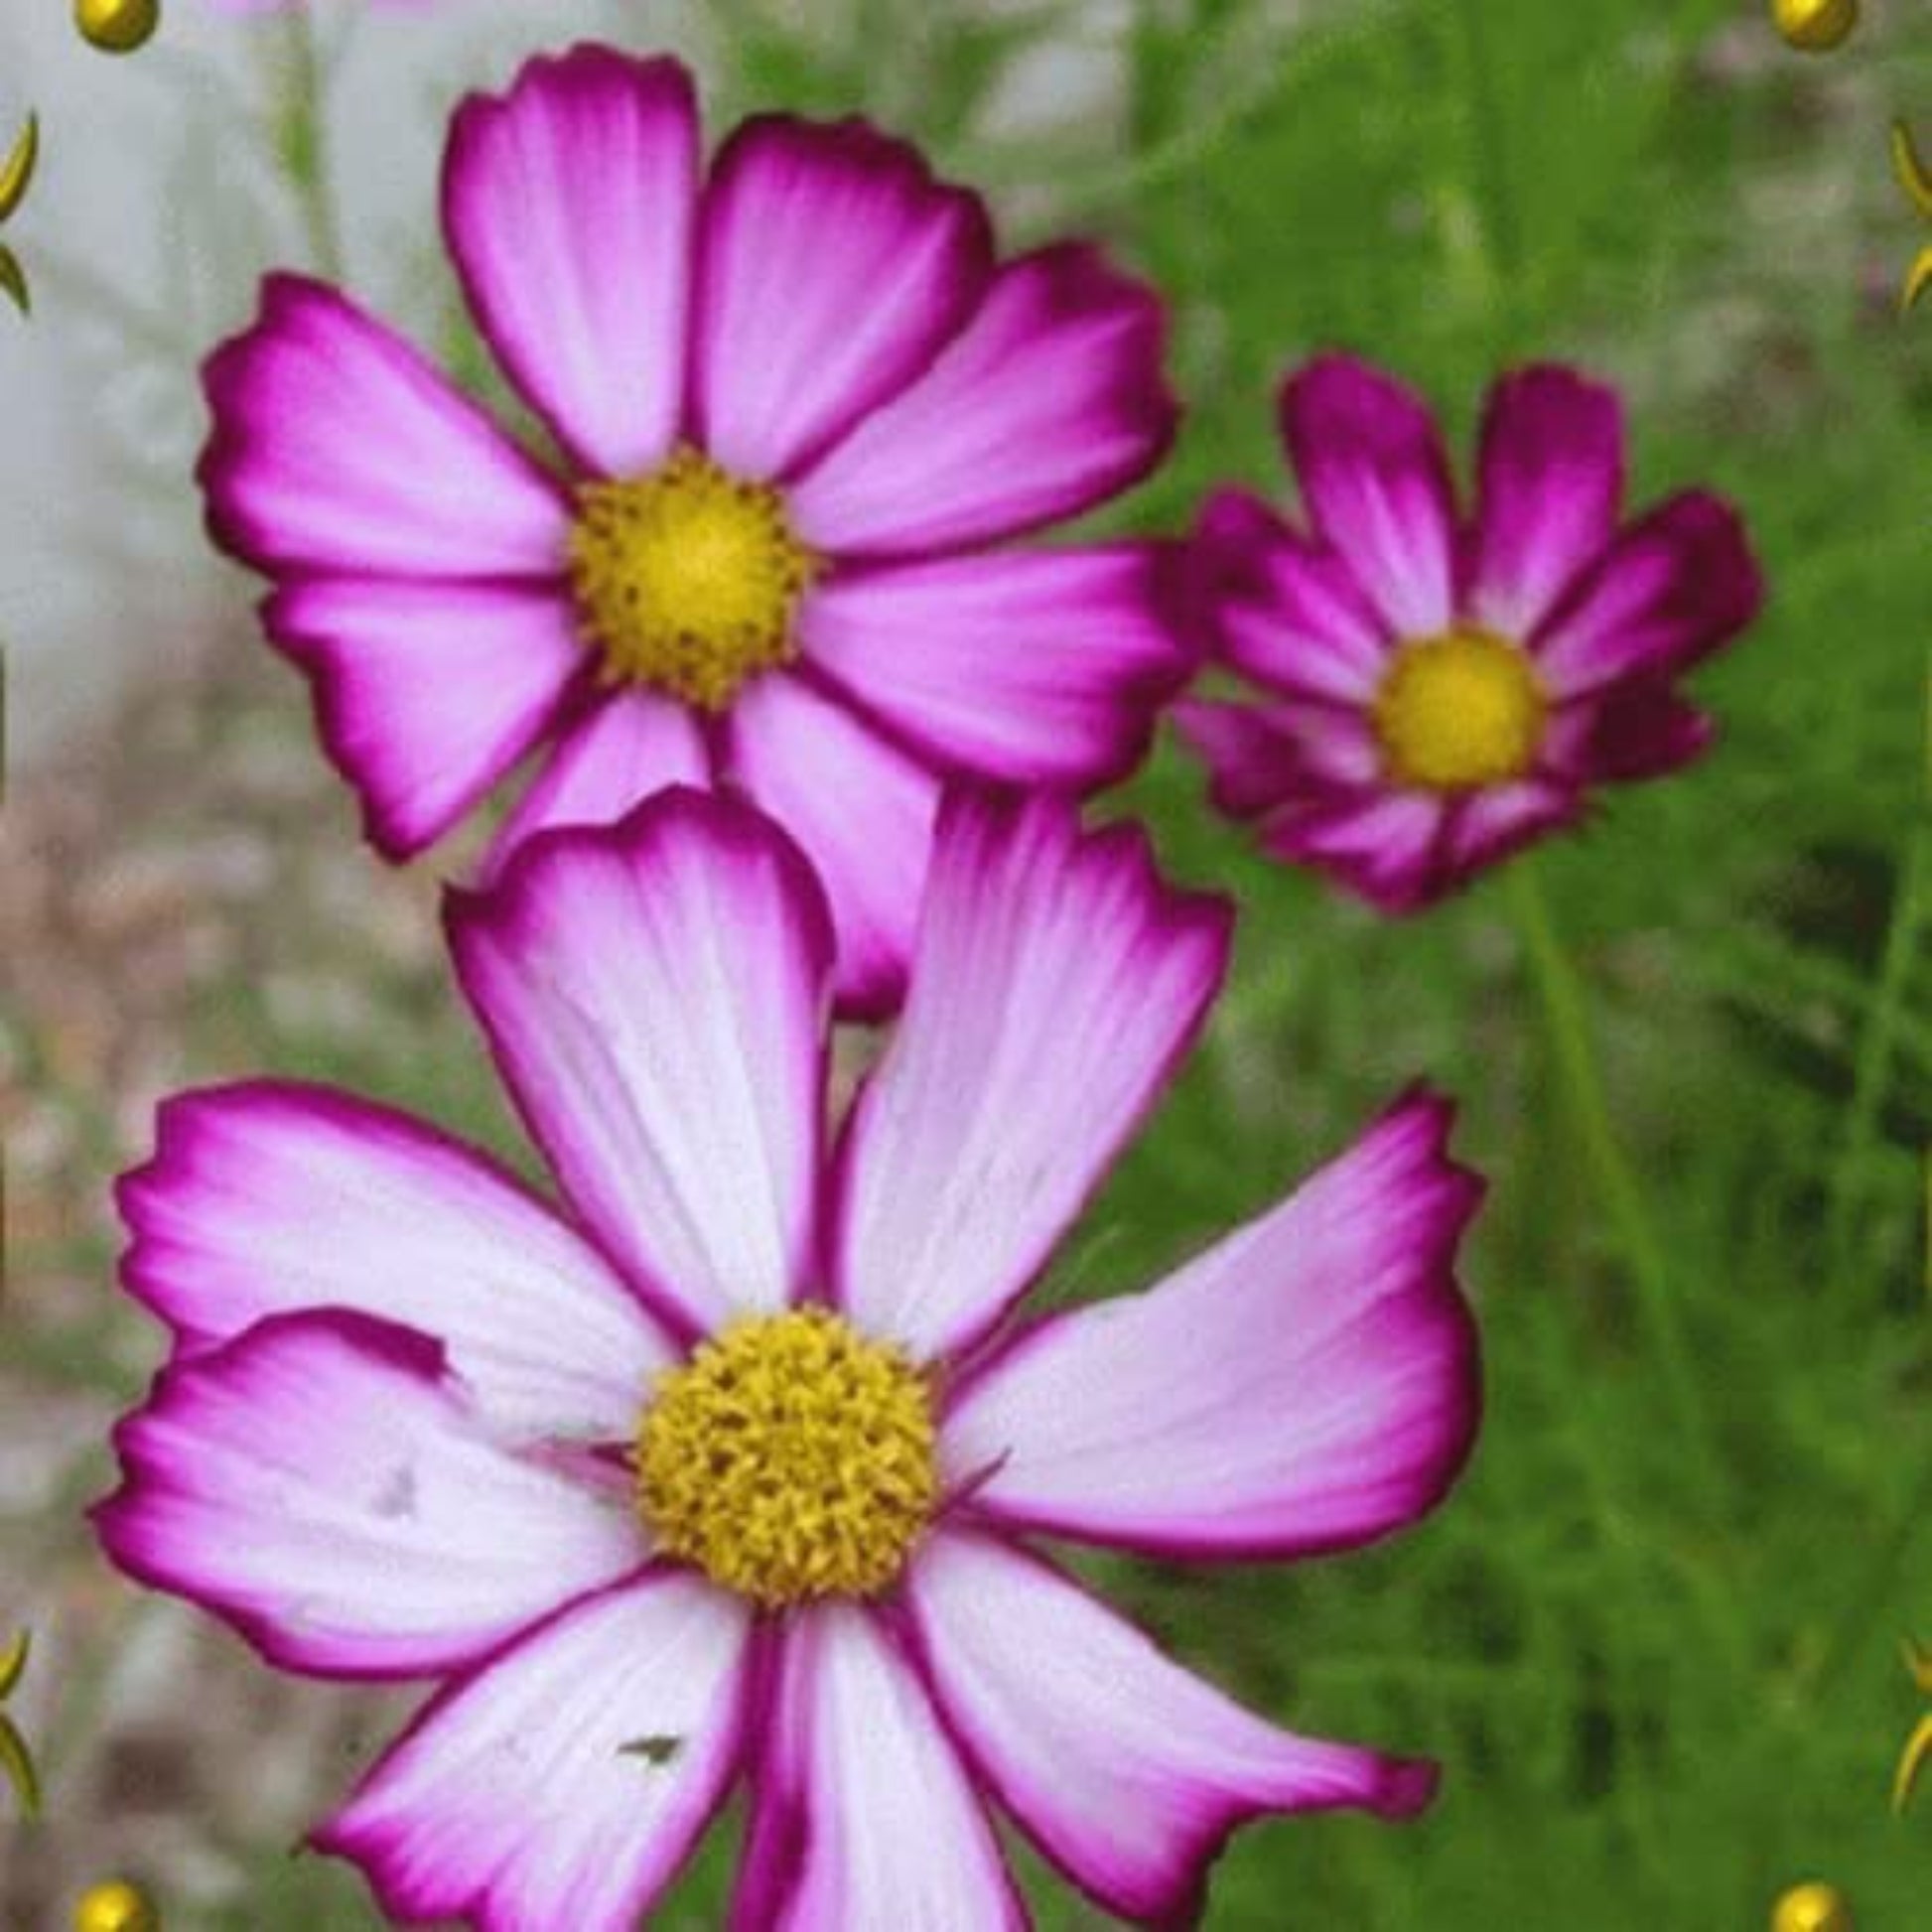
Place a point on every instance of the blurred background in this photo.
(1659, 1697)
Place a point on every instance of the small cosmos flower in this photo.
(1435, 694)
(798, 408)
(726, 1471)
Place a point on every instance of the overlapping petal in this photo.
(1128, 1770)
(1671, 590)
(861, 810)
(1055, 983)
(570, 204)
(1287, 611)
(271, 1197)
(610, 759)
(1387, 846)
(1033, 667)
(1637, 728)
(1309, 1383)
(337, 447)
(565, 1781)
(862, 1814)
(426, 694)
(656, 1000)
(324, 1484)
(1050, 399)
(832, 269)
(1260, 755)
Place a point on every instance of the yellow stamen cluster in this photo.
(789, 1458)
(1460, 711)
(686, 579)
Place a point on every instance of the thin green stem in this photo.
(1562, 995)
(301, 136)
(1494, 182)
(1878, 1043)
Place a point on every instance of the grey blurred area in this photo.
(158, 205)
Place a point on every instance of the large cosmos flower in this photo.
(1435, 695)
(726, 1470)
(794, 405)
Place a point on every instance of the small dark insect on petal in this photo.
(658, 1749)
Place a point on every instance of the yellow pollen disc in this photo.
(789, 1458)
(1458, 711)
(686, 579)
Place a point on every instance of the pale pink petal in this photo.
(1260, 755)
(1376, 484)
(271, 1197)
(1489, 825)
(1636, 729)
(569, 206)
(1551, 484)
(1127, 1770)
(607, 763)
(1384, 846)
(1284, 609)
(324, 1484)
(563, 1783)
(1309, 1383)
(1055, 983)
(656, 1000)
(1034, 667)
(833, 268)
(1673, 588)
(337, 447)
(426, 694)
(862, 809)
(1049, 400)
(862, 1815)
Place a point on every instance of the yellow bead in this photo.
(115, 1906)
(117, 26)
(1815, 25)
(1812, 1908)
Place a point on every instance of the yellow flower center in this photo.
(686, 579)
(789, 1458)
(1458, 711)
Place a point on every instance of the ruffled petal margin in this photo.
(655, 999)
(272, 1197)
(569, 208)
(1310, 1383)
(1128, 1771)
(1048, 401)
(338, 447)
(833, 268)
(426, 694)
(324, 1484)
(564, 1781)
(1055, 984)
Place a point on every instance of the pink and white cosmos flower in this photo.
(798, 408)
(1437, 694)
(726, 1470)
